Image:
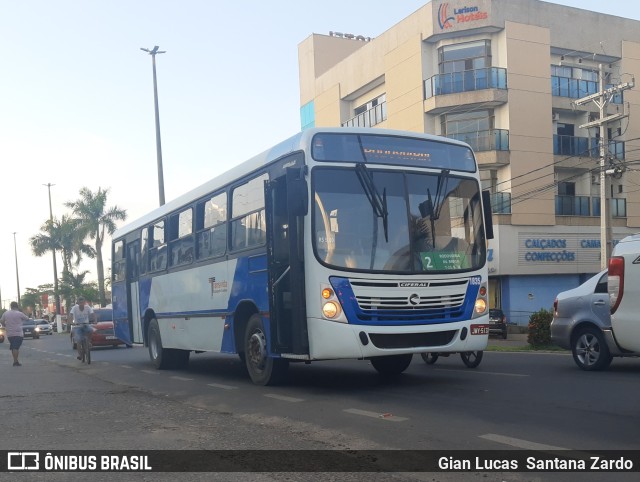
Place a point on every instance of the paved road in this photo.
(513, 400)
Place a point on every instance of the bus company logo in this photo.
(413, 284)
(414, 299)
(218, 286)
(23, 461)
(460, 15)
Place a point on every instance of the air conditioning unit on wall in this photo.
(555, 117)
(595, 179)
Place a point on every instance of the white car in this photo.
(624, 292)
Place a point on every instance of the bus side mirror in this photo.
(488, 218)
(298, 197)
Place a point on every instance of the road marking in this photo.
(150, 372)
(220, 385)
(383, 416)
(519, 443)
(284, 398)
(125, 366)
(184, 379)
(483, 373)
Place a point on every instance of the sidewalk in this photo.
(513, 339)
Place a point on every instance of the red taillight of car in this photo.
(555, 307)
(616, 282)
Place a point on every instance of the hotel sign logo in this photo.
(460, 15)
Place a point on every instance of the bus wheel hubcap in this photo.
(257, 349)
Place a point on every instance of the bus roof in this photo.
(300, 141)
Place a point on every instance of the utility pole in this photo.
(56, 293)
(153, 52)
(602, 99)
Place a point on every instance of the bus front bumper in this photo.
(329, 340)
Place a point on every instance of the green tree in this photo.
(75, 285)
(95, 220)
(61, 235)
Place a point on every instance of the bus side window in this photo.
(158, 249)
(211, 226)
(181, 238)
(248, 227)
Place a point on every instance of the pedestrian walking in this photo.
(12, 320)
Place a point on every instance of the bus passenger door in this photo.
(286, 201)
(133, 291)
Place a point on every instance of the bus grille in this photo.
(411, 340)
(436, 300)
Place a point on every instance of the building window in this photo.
(566, 188)
(465, 56)
(369, 114)
(307, 116)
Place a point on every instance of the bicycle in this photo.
(85, 348)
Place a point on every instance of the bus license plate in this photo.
(479, 329)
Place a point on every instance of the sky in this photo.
(76, 99)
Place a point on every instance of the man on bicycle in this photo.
(81, 315)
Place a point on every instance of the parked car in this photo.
(43, 327)
(2, 333)
(497, 323)
(624, 292)
(103, 332)
(582, 324)
(29, 329)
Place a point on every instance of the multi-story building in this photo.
(504, 76)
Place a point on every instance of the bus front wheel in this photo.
(263, 369)
(391, 365)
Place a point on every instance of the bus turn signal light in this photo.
(327, 293)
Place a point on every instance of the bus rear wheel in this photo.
(263, 369)
(391, 365)
(160, 357)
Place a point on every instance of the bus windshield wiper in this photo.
(443, 181)
(378, 202)
(432, 209)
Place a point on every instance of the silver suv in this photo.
(582, 323)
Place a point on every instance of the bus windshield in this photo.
(434, 222)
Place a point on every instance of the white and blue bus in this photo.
(338, 243)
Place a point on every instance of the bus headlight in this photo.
(482, 301)
(330, 309)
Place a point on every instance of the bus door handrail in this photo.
(275, 283)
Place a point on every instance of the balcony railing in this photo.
(585, 147)
(369, 118)
(466, 81)
(588, 206)
(577, 88)
(491, 140)
(501, 203)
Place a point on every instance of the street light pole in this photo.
(56, 294)
(153, 53)
(15, 251)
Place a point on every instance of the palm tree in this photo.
(95, 219)
(61, 235)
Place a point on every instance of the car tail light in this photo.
(616, 282)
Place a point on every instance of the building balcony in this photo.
(468, 80)
(588, 206)
(480, 141)
(369, 118)
(585, 147)
(577, 88)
